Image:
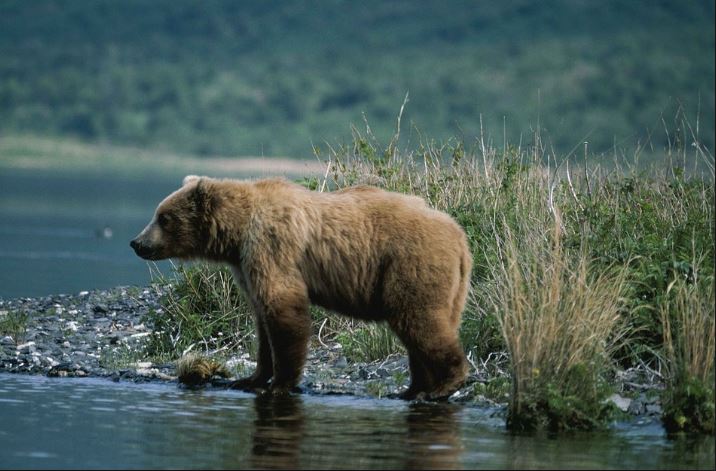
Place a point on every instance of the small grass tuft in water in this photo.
(196, 370)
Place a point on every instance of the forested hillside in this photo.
(275, 77)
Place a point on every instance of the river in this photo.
(64, 232)
(86, 423)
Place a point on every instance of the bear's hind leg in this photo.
(438, 366)
(264, 362)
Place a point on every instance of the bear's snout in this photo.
(141, 249)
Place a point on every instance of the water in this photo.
(52, 223)
(95, 423)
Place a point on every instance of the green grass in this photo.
(689, 349)
(14, 324)
(561, 319)
(369, 342)
(204, 311)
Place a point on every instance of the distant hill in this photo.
(273, 77)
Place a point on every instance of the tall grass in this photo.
(561, 320)
(688, 321)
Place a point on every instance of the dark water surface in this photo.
(52, 229)
(95, 423)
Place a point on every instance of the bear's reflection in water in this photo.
(278, 432)
(423, 436)
(433, 436)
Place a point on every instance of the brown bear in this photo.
(360, 251)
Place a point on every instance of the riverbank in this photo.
(28, 152)
(101, 334)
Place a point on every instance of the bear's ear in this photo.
(203, 196)
(189, 179)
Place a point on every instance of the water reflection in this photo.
(278, 432)
(81, 424)
(433, 436)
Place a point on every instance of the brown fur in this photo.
(361, 251)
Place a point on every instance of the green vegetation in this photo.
(126, 356)
(204, 310)
(369, 342)
(688, 323)
(14, 324)
(273, 77)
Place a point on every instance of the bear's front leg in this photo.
(288, 324)
(264, 361)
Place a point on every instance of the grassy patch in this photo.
(369, 342)
(14, 324)
(203, 311)
(689, 350)
(121, 357)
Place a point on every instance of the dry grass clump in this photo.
(561, 319)
(196, 370)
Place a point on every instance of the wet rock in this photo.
(621, 402)
(637, 407)
(363, 373)
(26, 348)
(382, 373)
(100, 308)
(62, 370)
(341, 362)
(7, 340)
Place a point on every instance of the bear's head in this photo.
(179, 228)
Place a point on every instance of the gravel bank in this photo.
(97, 333)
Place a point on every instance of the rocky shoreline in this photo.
(97, 334)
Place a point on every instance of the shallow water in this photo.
(95, 423)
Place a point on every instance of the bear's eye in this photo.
(164, 219)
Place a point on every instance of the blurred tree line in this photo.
(274, 77)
